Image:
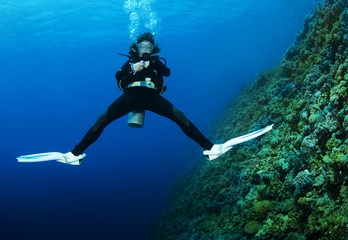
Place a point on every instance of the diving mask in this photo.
(145, 46)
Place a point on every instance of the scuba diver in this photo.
(141, 80)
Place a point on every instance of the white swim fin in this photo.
(219, 149)
(67, 158)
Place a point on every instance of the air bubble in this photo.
(142, 17)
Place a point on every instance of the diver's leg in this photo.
(117, 109)
(164, 108)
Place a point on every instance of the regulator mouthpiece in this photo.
(146, 56)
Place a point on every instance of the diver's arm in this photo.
(123, 74)
(136, 67)
(124, 71)
(161, 68)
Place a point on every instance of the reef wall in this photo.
(291, 183)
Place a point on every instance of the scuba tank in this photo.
(136, 119)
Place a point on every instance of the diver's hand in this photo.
(146, 64)
(136, 67)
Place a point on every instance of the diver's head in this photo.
(144, 46)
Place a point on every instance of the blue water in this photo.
(58, 60)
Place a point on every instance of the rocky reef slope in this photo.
(291, 183)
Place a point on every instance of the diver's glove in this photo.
(136, 67)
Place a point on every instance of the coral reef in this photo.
(291, 183)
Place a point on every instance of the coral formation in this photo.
(252, 227)
(261, 209)
(291, 183)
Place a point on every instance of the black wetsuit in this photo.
(141, 98)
